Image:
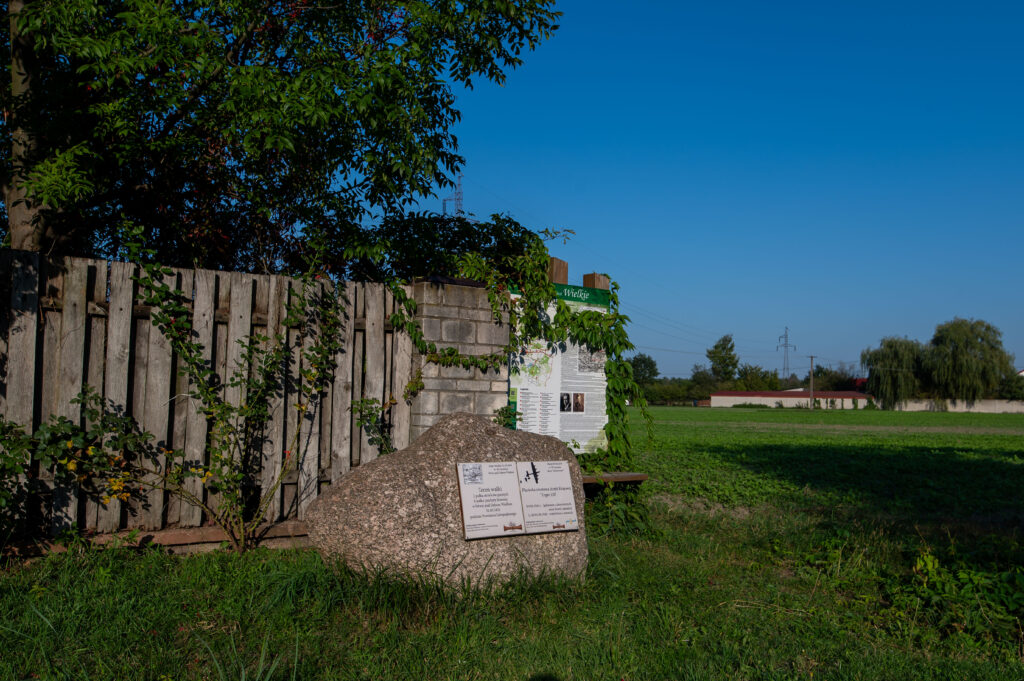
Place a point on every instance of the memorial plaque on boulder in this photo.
(506, 498)
(404, 512)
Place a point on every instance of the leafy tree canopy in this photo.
(840, 378)
(966, 360)
(428, 244)
(645, 369)
(893, 371)
(702, 382)
(752, 377)
(1012, 388)
(724, 361)
(229, 128)
(670, 391)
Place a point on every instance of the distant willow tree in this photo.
(894, 370)
(966, 360)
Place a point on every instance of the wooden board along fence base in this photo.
(183, 540)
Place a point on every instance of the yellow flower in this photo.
(90, 451)
(105, 500)
(72, 465)
(70, 444)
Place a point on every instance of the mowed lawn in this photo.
(788, 545)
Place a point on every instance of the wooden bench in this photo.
(620, 476)
(592, 484)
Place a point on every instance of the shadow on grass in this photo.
(939, 494)
(909, 483)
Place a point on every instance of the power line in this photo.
(679, 352)
(684, 328)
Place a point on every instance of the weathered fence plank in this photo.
(401, 414)
(239, 329)
(275, 442)
(69, 384)
(309, 427)
(180, 405)
(48, 389)
(22, 330)
(21, 339)
(96, 334)
(219, 358)
(292, 397)
(389, 361)
(341, 393)
(358, 373)
(156, 416)
(118, 362)
(373, 384)
(326, 414)
(195, 427)
(137, 409)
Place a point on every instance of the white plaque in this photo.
(507, 498)
(491, 506)
(548, 501)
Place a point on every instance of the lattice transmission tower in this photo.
(786, 346)
(455, 198)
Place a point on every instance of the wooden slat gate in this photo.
(76, 322)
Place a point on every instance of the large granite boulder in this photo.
(402, 513)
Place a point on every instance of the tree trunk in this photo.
(25, 221)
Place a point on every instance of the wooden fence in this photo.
(77, 322)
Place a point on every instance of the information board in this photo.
(560, 390)
(509, 498)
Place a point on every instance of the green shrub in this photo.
(13, 467)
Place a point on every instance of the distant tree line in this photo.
(965, 360)
(725, 371)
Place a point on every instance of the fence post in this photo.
(558, 271)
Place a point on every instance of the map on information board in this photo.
(559, 389)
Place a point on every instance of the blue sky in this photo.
(847, 170)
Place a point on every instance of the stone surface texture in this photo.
(402, 512)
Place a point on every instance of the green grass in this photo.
(791, 545)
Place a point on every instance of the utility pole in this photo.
(812, 382)
(785, 345)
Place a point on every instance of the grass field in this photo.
(791, 545)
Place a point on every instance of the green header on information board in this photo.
(582, 294)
